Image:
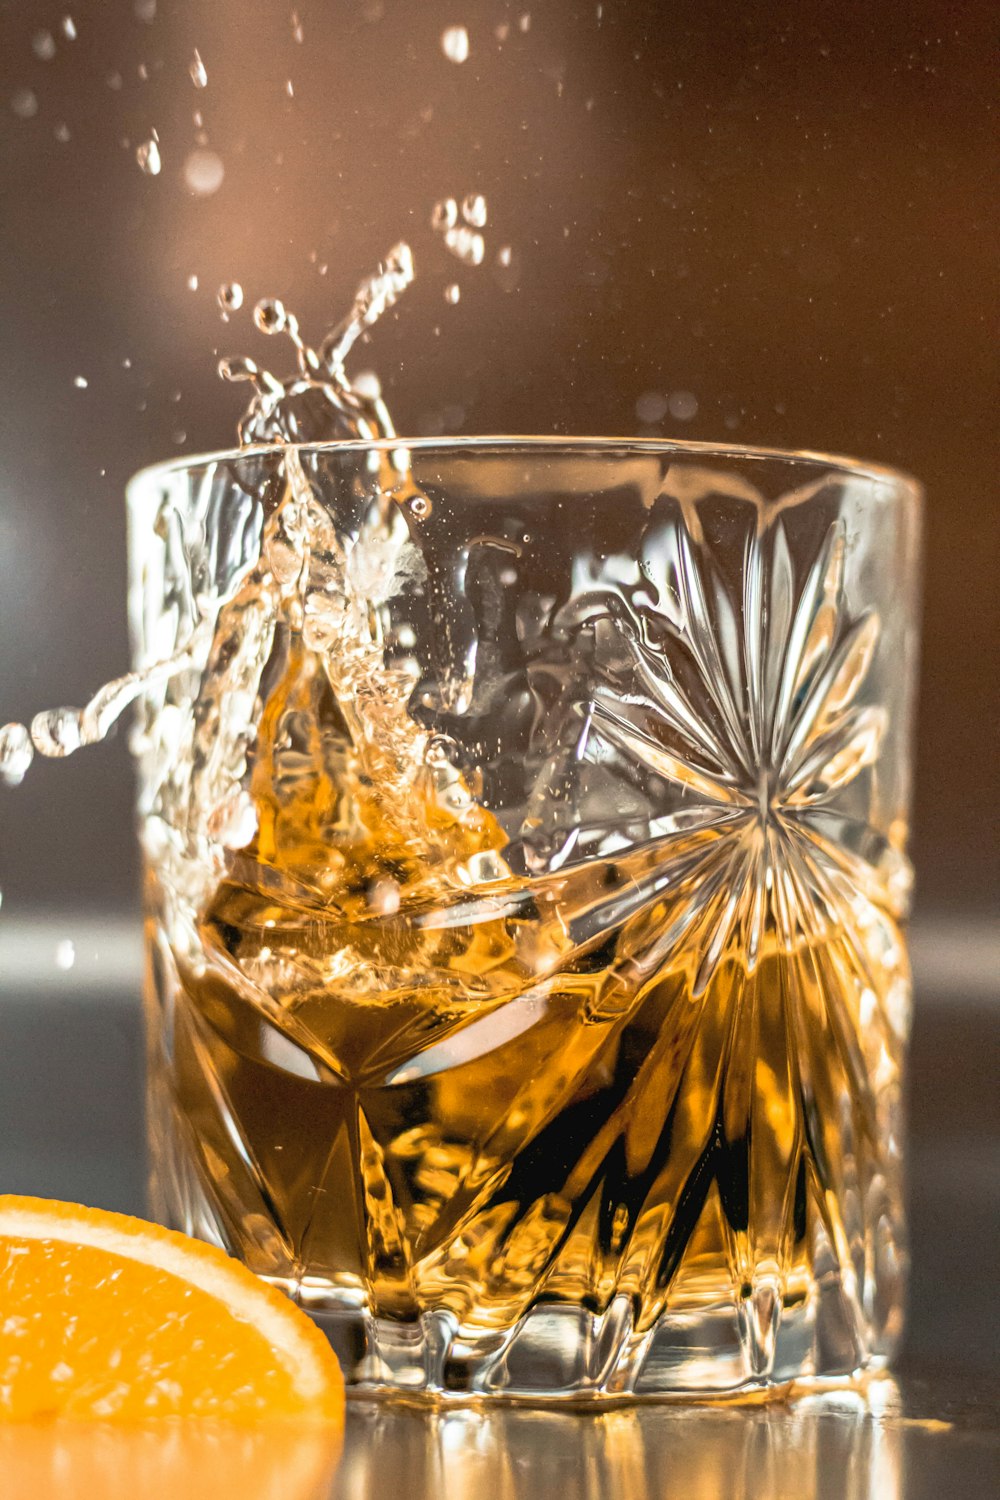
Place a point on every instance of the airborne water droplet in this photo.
(230, 296)
(474, 210)
(203, 172)
(24, 104)
(56, 732)
(81, 382)
(43, 45)
(455, 43)
(444, 214)
(65, 954)
(148, 157)
(452, 293)
(467, 245)
(198, 71)
(69, 28)
(16, 753)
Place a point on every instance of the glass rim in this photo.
(806, 457)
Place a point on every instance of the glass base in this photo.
(567, 1355)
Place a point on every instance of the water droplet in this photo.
(69, 28)
(148, 157)
(452, 293)
(16, 753)
(43, 45)
(270, 315)
(236, 367)
(61, 133)
(142, 73)
(192, 283)
(114, 80)
(651, 406)
(419, 506)
(501, 32)
(455, 43)
(474, 210)
(444, 214)
(203, 172)
(289, 90)
(230, 296)
(65, 954)
(198, 71)
(467, 245)
(24, 104)
(56, 732)
(683, 405)
(81, 382)
(367, 383)
(144, 10)
(524, 22)
(297, 33)
(504, 255)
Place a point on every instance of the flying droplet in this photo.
(444, 214)
(524, 22)
(65, 954)
(148, 157)
(452, 293)
(230, 296)
(16, 753)
(144, 10)
(504, 255)
(114, 80)
(203, 172)
(24, 104)
(192, 283)
(56, 732)
(81, 382)
(289, 89)
(467, 245)
(297, 33)
(69, 28)
(474, 210)
(61, 133)
(43, 45)
(270, 315)
(455, 43)
(199, 74)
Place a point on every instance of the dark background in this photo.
(783, 210)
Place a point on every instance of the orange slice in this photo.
(105, 1316)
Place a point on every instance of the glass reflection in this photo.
(846, 1445)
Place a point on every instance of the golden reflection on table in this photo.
(846, 1445)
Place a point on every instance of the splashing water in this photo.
(319, 403)
(148, 157)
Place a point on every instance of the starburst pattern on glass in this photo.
(526, 877)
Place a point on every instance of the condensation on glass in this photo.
(526, 888)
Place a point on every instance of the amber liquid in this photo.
(420, 1091)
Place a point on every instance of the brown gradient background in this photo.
(784, 209)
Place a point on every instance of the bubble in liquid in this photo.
(382, 897)
(444, 214)
(69, 28)
(65, 954)
(198, 71)
(474, 210)
(148, 157)
(56, 732)
(230, 296)
(683, 405)
(203, 172)
(467, 245)
(419, 506)
(452, 293)
(24, 103)
(455, 43)
(16, 753)
(43, 45)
